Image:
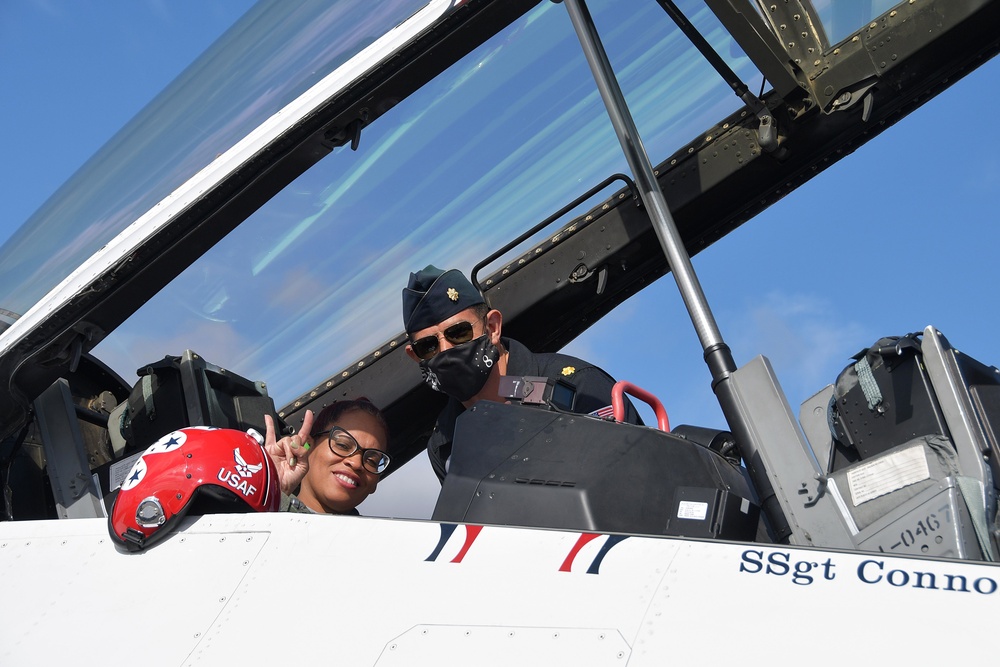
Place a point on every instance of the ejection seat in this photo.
(88, 453)
(908, 441)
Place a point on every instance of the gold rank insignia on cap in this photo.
(569, 370)
(452, 294)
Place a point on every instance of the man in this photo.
(456, 338)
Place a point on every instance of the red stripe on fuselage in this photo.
(584, 538)
(471, 533)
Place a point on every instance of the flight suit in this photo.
(291, 503)
(593, 392)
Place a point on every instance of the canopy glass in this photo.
(310, 282)
(499, 141)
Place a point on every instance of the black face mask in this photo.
(461, 371)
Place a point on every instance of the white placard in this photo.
(692, 510)
(887, 474)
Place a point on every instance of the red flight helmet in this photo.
(201, 469)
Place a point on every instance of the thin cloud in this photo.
(804, 336)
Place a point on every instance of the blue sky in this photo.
(899, 235)
(75, 71)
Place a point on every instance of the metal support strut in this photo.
(717, 353)
(767, 134)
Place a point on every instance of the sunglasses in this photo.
(344, 445)
(456, 334)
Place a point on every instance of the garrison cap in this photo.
(433, 295)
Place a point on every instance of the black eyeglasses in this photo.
(344, 445)
(456, 334)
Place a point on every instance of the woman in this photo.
(343, 466)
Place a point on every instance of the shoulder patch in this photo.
(568, 370)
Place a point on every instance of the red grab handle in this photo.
(618, 403)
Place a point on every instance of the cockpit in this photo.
(240, 247)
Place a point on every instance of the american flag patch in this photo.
(607, 412)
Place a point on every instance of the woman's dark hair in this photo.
(329, 415)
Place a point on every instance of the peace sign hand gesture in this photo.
(291, 453)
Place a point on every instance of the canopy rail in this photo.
(549, 220)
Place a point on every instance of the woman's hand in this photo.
(290, 454)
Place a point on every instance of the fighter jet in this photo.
(246, 237)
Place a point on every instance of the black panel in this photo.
(909, 408)
(518, 465)
(177, 392)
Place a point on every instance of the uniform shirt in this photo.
(291, 503)
(593, 392)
